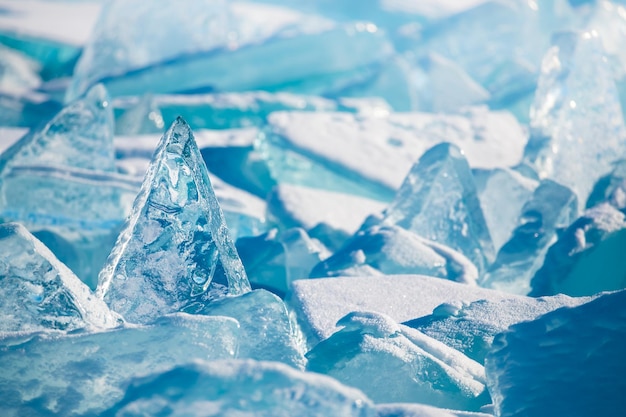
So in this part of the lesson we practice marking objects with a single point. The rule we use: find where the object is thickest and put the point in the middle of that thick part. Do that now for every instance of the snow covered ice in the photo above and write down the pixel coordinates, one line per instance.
(312, 208)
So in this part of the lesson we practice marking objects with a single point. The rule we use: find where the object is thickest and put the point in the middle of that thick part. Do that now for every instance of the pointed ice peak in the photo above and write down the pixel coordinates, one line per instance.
(438, 201)
(175, 249)
(79, 136)
(38, 292)
(576, 118)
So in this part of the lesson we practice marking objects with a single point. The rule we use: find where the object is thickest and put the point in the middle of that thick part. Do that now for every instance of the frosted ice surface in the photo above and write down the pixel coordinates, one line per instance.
(587, 258)
(551, 208)
(438, 201)
(378, 151)
(421, 410)
(85, 373)
(502, 193)
(274, 259)
(267, 332)
(576, 103)
(238, 387)
(184, 54)
(580, 353)
(175, 248)
(390, 249)
(38, 292)
(80, 136)
(320, 303)
(470, 328)
(298, 206)
(393, 363)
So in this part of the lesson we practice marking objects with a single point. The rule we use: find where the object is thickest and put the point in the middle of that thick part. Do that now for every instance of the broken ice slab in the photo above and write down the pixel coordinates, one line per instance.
(610, 188)
(569, 362)
(470, 328)
(297, 206)
(275, 259)
(175, 248)
(319, 303)
(79, 136)
(227, 110)
(240, 387)
(389, 249)
(47, 374)
(576, 103)
(266, 329)
(310, 54)
(438, 201)
(39, 292)
(550, 209)
(502, 193)
(373, 154)
(588, 256)
(393, 363)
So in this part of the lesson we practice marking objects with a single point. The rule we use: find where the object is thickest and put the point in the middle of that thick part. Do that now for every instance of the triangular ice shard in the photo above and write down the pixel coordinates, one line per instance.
(175, 249)
(79, 136)
(438, 201)
(40, 293)
(576, 118)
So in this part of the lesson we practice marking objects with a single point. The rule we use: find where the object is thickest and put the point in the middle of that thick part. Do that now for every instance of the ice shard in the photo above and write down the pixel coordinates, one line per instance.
(175, 249)
(238, 388)
(551, 209)
(48, 374)
(587, 258)
(576, 118)
(394, 363)
(40, 293)
(471, 327)
(267, 331)
(79, 136)
(438, 201)
(569, 362)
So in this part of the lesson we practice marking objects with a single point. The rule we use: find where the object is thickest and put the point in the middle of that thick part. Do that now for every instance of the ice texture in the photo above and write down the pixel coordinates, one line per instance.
(610, 188)
(470, 328)
(502, 193)
(567, 362)
(319, 303)
(421, 410)
(46, 374)
(175, 249)
(40, 293)
(275, 259)
(389, 249)
(18, 72)
(79, 136)
(370, 155)
(576, 118)
(550, 209)
(438, 201)
(587, 257)
(238, 387)
(392, 363)
(267, 331)
(143, 118)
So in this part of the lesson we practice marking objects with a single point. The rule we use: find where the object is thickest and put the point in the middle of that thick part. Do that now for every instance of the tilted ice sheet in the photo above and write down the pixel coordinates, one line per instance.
(576, 118)
(587, 258)
(381, 150)
(40, 293)
(238, 387)
(470, 328)
(567, 362)
(46, 374)
(393, 363)
(299, 206)
(175, 249)
(320, 303)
